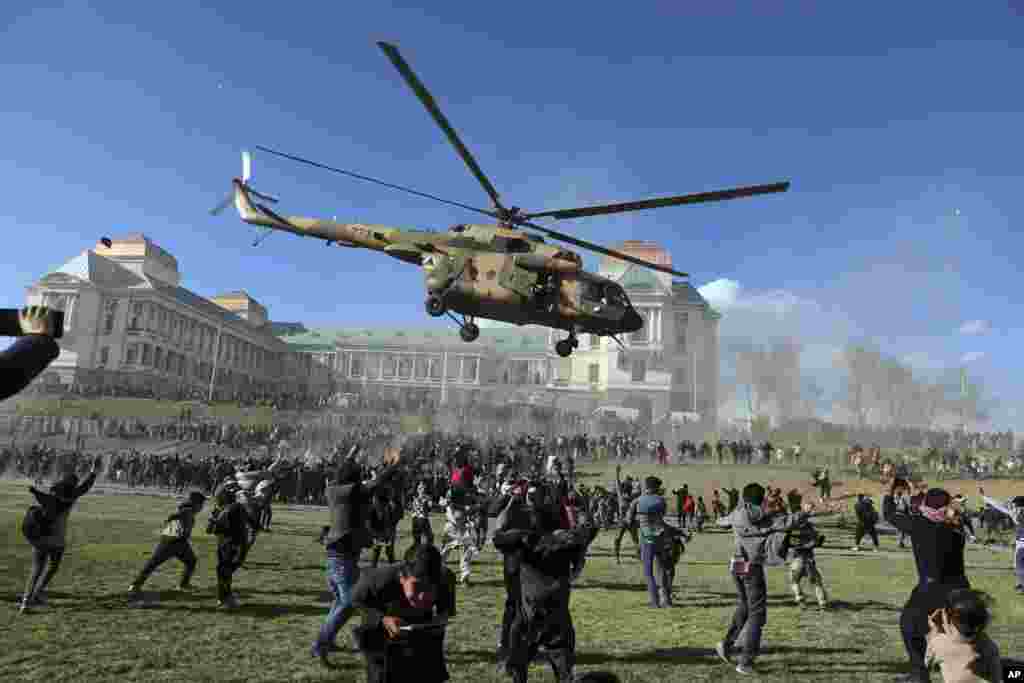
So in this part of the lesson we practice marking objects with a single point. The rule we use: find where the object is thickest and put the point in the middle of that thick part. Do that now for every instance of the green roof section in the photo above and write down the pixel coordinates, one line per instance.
(500, 339)
(638, 278)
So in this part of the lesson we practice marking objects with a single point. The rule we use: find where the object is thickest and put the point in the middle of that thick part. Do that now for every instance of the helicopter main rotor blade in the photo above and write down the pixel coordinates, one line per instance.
(590, 246)
(428, 101)
(699, 197)
(314, 164)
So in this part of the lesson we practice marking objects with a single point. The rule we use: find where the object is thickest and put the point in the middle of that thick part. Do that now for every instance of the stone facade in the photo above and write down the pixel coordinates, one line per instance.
(126, 314)
(128, 321)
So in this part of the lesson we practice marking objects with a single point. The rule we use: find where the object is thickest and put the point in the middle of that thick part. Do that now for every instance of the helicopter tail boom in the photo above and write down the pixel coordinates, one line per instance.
(343, 234)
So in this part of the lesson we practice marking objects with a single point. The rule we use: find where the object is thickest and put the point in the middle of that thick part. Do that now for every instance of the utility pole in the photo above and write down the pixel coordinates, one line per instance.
(216, 362)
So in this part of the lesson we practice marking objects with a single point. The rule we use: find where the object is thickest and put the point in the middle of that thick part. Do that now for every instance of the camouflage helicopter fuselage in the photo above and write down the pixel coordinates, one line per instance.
(485, 271)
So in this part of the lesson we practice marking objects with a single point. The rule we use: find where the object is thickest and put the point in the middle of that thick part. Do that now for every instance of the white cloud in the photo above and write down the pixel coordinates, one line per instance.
(972, 356)
(728, 295)
(974, 327)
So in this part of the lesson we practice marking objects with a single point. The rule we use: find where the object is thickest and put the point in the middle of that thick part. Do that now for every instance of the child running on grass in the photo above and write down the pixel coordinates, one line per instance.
(174, 543)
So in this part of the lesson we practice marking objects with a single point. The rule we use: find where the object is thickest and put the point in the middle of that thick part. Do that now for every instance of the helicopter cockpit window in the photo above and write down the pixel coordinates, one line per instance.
(616, 296)
(458, 228)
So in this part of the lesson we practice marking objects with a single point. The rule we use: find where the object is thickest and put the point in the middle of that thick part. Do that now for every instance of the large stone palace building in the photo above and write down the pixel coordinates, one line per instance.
(129, 321)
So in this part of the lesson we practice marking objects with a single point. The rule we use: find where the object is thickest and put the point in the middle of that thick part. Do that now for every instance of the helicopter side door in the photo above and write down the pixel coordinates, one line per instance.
(513, 277)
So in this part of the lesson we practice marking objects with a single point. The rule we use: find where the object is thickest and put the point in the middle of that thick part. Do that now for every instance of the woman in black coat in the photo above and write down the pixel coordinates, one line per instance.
(938, 543)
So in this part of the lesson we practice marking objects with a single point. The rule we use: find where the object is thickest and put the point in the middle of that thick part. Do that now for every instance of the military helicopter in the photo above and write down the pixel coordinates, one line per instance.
(496, 271)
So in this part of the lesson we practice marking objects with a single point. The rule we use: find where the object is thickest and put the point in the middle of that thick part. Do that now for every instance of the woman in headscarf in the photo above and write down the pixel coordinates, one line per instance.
(938, 544)
(48, 549)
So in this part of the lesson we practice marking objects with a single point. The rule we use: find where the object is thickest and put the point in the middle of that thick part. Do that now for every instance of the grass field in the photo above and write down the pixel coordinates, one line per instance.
(88, 633)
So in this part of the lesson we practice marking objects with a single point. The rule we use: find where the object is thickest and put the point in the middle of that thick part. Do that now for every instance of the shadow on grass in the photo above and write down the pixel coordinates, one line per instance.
(317, 595)
(862, 606)
(258, 610)
(863, 668)
(676, 655)
(604, 585)
(791, 649)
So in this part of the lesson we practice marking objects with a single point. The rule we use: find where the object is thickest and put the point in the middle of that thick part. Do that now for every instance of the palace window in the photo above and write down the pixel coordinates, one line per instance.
(388, 368)
(639, 370)
(110, 316)
(595, 373)
(104, 355)
(135, 322)
(469, 368)
(681, 322)
(642, 336)
(453, 366)
(131, 354)
(421, 367)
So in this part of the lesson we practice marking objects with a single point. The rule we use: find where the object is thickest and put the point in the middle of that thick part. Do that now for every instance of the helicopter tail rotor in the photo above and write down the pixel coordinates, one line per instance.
(246, 175)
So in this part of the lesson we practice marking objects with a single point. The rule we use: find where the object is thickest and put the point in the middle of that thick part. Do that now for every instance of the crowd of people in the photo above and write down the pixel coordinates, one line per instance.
(521, 493)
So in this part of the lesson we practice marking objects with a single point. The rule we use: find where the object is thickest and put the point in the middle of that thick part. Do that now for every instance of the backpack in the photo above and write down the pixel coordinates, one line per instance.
(36, 524)
(219, 522)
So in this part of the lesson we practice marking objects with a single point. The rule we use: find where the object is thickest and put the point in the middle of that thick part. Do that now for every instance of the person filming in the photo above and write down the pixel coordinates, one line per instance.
(31, 354)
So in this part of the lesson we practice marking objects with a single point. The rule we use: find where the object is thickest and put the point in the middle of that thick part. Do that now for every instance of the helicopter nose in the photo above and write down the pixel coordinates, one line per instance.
(632, 321)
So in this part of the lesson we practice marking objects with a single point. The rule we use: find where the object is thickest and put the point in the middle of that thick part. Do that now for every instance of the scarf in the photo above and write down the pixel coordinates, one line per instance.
(933, 514)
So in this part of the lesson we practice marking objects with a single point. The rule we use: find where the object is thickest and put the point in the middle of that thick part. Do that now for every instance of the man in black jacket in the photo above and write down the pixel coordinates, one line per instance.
(867, 518)
(405, 609)
(348, 499)
(938, 547)
(31, 354)
(545, 556)
(519, 506)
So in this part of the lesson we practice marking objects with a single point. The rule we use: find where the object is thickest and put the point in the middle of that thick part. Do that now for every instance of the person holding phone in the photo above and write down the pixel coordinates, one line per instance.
(752, 527)
(31, 354)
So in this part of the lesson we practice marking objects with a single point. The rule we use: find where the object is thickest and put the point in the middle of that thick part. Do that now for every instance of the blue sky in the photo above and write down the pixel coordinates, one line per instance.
(898, 124)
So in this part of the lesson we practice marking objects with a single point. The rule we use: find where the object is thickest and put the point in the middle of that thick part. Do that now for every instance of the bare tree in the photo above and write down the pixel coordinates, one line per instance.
(861, 364)
(784, 366)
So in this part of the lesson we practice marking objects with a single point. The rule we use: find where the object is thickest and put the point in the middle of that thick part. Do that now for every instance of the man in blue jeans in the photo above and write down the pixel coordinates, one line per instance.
(647, 515)
(754, 531)
(347, 498)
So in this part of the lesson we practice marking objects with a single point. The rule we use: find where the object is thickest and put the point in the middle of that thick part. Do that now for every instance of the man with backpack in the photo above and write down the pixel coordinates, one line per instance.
(231, 523)
(45, 528)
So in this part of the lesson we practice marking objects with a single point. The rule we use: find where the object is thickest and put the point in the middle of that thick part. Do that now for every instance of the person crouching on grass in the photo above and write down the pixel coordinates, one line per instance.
(174, 543)
(48, 546)
(405, 611)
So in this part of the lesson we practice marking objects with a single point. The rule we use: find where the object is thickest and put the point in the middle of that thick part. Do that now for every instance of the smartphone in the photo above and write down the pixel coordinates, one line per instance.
(10, 327)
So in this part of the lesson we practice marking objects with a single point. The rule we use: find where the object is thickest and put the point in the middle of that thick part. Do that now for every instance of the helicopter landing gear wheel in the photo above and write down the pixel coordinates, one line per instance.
(435, 306)
(469, 332)
(563, 348)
